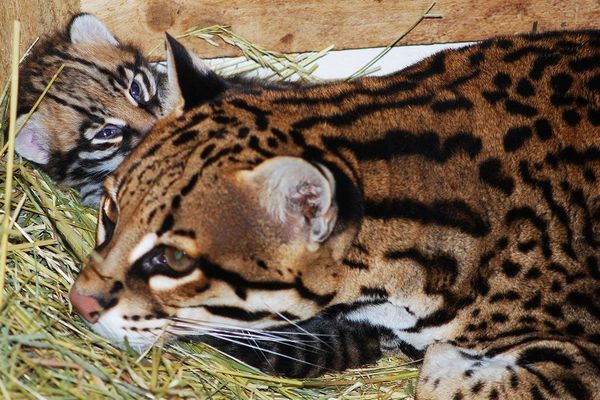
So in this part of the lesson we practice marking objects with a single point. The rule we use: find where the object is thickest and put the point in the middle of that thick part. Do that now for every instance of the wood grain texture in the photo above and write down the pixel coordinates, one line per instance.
(292, 26)
(38, 17)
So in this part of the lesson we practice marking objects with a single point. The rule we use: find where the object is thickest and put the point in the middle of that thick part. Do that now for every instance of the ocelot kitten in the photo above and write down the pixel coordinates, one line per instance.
(107, 97)
(450, 211)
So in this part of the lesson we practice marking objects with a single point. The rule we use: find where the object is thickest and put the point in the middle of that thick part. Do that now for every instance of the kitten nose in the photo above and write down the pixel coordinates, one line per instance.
(86, 306)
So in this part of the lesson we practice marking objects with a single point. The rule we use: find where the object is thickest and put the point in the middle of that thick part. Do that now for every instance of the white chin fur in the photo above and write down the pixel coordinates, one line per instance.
(113, 327)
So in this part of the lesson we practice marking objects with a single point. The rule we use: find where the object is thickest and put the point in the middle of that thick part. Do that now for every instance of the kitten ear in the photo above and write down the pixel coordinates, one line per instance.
(298, 195)
(85, 28)
(191, 82)
(31, 142)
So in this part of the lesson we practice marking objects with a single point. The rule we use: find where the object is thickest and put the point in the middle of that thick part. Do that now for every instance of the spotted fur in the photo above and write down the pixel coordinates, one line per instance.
(107, 97)
(449, 211)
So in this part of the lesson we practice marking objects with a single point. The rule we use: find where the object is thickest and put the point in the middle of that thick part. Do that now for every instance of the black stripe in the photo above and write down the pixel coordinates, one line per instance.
(336, 98)
(361, 111)
(235, 280)
(452, 213)
(397, 143)
(237, 313)
(546, 188)
(186, 136)
(260, 116)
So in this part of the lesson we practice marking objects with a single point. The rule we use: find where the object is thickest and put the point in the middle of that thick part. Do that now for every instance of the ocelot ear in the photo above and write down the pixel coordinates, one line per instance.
(298, 195)
(85, 28)
(31, 143)
(191, 82)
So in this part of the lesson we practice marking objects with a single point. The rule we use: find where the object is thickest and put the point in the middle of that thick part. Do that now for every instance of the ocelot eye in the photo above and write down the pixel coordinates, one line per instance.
(109, 131)
(177, 259)
(135, 91)
(107, 221)
(110, 209)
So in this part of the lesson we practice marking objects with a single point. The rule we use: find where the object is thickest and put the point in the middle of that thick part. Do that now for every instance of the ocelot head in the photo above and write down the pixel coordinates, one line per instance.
(199, 237)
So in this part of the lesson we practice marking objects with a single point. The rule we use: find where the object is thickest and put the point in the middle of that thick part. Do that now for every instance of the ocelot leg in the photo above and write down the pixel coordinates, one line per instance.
(539, 369)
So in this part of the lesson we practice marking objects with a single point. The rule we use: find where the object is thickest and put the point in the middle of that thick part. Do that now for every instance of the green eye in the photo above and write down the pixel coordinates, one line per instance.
(178, 260)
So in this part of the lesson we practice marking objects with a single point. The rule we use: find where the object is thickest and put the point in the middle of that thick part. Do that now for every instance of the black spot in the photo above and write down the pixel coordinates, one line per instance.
(541, 63)
(533, 273)
(494, 96)
(561, 82)
(526, 247)
(510, 268)
(554, 310)
(499, 317)
(510, 295)
(490, 171)
(167, 224)
(556, 286)
(575, 329)
(518, 108)
(589, 175)
(176, 202)
(534, 302)
(190, 185)
(476, 388)
(207, 151)
(594, 116)
(571, 117)
(262, 264)
(502, 81)
(516, 137)
(494, 394)
(594, 83)
(476, 58)
(504, 43)
(436, 66)
(243, 132)
(543, 129)
(460, 103)
(585, 63)
(525, 88)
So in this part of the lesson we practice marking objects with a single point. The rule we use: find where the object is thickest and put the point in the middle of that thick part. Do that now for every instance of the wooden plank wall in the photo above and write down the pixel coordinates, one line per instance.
(38, 17)
(292, 26)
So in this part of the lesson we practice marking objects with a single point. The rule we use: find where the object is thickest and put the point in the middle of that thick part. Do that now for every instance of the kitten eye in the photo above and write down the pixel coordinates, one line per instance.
(135, 91)
(177, 259)
(109, 131)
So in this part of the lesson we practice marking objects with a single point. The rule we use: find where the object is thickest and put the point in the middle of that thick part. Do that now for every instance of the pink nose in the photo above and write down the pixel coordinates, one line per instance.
(86, 306)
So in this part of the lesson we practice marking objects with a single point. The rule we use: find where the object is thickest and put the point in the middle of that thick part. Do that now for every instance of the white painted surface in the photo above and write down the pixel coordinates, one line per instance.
(339, 64)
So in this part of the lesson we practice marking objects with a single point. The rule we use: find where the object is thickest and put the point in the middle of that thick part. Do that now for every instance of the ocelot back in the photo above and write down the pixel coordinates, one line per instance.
(106, 98)
(451, 211)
